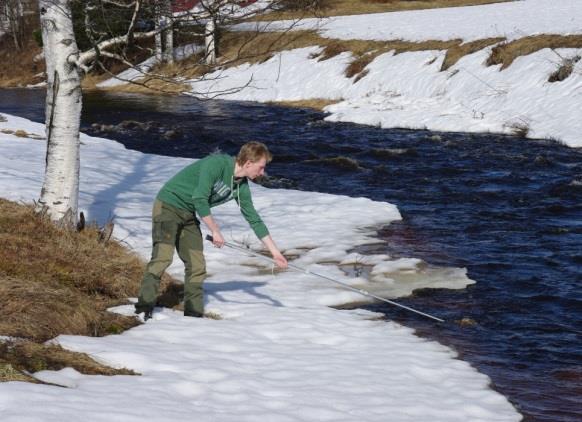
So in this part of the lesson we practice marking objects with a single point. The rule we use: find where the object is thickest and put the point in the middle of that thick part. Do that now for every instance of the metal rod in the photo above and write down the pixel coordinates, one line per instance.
(341, 283)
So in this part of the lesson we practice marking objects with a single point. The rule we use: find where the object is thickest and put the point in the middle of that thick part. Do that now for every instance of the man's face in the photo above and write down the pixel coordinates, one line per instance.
(255, 169)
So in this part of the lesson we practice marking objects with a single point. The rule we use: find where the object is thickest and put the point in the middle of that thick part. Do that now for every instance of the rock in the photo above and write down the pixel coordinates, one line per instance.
(132, 125)
(172, 134)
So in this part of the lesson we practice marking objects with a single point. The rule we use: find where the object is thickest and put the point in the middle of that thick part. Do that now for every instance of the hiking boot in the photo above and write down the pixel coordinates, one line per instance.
(148, 311)
(148, 314)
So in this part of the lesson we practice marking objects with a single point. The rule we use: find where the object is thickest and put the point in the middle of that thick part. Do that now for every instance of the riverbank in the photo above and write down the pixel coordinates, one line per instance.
(242, 368)
(536, 94)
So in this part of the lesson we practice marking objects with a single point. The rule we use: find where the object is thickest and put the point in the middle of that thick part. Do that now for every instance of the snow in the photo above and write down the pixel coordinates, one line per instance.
(279, 353)
(409, 90)
(512, 20)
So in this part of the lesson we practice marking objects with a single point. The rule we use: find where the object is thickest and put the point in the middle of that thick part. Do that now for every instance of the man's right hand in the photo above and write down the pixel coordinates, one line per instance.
(280, 260)
(217, 239)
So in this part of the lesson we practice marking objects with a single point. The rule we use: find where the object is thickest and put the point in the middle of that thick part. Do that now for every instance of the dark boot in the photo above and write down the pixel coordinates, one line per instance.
(148, 311)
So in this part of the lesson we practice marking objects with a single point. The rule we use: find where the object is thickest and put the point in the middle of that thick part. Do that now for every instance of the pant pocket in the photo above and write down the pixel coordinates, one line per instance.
(164, 232)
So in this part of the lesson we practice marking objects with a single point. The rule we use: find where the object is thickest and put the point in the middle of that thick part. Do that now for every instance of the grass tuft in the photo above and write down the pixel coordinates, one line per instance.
(519, 128)
(564, 70)
(456, 52)
(314, 103)
(335, 48)
(22, 357)
(54, 281)
(505, 53)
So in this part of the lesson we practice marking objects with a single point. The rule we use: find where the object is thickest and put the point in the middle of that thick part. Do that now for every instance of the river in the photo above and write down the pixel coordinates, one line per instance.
(507, 209)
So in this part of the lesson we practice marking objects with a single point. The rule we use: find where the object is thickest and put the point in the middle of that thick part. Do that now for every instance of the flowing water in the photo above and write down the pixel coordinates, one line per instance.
(507, 209)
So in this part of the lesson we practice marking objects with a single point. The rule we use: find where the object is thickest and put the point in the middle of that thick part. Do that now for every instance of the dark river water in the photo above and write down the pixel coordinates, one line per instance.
(507, 209)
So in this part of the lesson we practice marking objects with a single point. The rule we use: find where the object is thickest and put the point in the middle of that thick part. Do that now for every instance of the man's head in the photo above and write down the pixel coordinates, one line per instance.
(252, 159)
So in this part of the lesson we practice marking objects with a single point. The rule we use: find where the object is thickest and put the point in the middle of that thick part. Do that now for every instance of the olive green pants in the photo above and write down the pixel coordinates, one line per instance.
(174, 228)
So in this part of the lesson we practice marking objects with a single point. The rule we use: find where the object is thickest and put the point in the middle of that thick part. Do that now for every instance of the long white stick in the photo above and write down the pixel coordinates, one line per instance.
(345, 285)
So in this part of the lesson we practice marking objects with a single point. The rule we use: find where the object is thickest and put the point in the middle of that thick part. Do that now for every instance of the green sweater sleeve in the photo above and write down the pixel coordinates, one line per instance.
(210, 171)
(249, 213)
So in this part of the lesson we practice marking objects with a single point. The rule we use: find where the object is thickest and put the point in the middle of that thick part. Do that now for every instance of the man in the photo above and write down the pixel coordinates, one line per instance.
(197, 188)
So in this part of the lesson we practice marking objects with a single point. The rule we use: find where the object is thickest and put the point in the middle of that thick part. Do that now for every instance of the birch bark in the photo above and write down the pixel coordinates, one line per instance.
(210, 41)
(168, 56)
(158, 37)
(60, 191)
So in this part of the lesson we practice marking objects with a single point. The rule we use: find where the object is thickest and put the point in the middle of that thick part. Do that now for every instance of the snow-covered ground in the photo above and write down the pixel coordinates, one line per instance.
(408, 90)
(512, 20)
(279, 353)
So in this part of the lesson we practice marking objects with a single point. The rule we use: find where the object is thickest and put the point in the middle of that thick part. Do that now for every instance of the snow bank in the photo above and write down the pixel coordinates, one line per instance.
(408, 90)
(278, 354)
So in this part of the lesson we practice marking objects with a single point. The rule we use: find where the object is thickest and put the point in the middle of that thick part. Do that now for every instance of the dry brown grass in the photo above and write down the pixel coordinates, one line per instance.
(17, 358)
(506, 53)
(17, 68)
(365, 51)
(358, 7)
(314, 103)
(54, 281)
(456, 52)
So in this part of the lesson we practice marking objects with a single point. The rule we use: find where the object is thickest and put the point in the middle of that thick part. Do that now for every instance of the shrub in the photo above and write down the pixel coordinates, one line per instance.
(564, 70)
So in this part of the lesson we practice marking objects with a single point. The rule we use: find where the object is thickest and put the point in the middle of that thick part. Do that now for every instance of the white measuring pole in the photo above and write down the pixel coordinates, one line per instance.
(341, 283)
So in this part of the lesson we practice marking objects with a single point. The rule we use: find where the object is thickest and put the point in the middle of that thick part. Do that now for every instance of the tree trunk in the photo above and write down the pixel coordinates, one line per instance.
(159, 22)
(12, 11)
(169, 44)
(210, 41)
(60, 191)
(168, 31)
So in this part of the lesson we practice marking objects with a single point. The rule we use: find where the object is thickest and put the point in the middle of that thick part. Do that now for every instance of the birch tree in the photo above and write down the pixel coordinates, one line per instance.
(164, 41)
(60, 191)
(64, 66)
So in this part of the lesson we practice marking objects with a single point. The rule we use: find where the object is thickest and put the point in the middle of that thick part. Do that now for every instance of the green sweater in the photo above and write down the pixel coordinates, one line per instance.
(210, 182)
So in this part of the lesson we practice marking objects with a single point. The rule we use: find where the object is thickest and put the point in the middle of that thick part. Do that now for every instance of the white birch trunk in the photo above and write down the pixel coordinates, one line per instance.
(158, 38)
(168, 56)
(210, 41)
(60, 191)
(169, 44)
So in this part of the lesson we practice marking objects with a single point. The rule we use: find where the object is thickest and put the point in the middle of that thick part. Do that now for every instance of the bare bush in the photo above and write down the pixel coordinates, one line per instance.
(565, 69)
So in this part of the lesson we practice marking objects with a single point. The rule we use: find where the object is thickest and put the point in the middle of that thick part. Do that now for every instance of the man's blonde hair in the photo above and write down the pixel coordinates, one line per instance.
(253, 152)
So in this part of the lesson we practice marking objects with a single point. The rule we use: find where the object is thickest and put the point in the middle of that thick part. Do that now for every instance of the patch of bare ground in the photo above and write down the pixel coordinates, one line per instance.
(19, 358)
(456, 52)
(55, 281)
(505, 53)
(314, 103)
(359, 7)
(18, 67)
